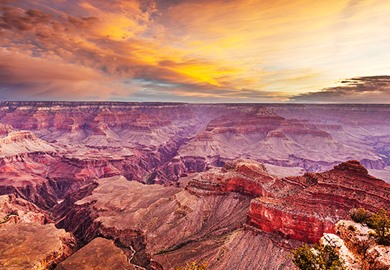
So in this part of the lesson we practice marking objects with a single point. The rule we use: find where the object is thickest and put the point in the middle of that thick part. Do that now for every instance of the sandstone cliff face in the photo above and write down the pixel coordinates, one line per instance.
(243, 176)
(323, 199)
(271, 215)
(300, 208)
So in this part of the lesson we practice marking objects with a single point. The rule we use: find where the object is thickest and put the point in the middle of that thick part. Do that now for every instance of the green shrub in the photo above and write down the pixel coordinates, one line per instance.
(304, 258)
(381, 224)
(360, 215)
(317, 258)
(329, 258)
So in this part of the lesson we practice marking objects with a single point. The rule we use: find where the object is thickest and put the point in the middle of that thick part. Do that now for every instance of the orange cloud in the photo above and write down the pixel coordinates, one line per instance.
(201, 49)
(29, 78)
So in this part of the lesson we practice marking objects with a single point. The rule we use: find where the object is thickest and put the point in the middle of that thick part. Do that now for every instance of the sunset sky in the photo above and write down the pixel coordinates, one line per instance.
(195, 50)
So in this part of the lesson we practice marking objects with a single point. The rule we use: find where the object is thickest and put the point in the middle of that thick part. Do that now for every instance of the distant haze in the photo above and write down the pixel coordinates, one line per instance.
(196, 50)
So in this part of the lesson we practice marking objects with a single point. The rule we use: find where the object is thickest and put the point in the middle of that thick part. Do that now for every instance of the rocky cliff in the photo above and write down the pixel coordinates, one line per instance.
(243, 176)
(323, 199)
(155, 221)
(27, 238)
(300, 208)
(220, 210)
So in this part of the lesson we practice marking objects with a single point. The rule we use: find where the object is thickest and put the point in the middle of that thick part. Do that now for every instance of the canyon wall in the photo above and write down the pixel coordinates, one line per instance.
(162, 184)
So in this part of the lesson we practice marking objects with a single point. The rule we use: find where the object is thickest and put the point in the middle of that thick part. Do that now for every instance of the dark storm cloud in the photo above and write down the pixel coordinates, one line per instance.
(375, 89)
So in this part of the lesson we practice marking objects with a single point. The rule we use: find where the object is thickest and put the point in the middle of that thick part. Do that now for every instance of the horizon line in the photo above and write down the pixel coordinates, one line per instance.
(183, 102)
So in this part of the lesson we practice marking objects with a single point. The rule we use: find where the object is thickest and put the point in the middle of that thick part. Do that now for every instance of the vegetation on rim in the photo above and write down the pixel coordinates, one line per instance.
(379, 222)
(317, 257)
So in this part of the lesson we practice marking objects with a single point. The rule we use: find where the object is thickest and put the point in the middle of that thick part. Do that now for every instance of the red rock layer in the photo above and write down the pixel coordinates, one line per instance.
(242, 176)
(262, 121)
(267, 215)
(324, 199)
(300, 208)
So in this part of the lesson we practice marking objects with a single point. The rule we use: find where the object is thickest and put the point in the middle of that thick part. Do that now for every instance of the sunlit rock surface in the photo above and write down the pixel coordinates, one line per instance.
(33, 246)
(99, 254)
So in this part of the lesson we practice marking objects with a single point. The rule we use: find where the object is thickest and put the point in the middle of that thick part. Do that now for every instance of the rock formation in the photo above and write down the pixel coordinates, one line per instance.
(14, 210)
(33, 246)
(236, 205)
(306, 212)
(300, 208)
(161, 184)
(99, 254)
(27, 238)
(154, 220)
(166, 140)
(356, 246)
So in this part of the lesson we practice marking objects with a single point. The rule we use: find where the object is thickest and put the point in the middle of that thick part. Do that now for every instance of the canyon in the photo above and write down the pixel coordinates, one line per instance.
(156, 185)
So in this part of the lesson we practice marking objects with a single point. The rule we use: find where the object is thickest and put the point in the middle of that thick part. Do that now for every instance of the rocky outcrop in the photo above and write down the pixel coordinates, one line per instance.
(300, 208)
(274, 216)
(14, 210)
(27, 238)
(319, 203)
(154, 220)
(21, 142)
(99, 254)
(357, 247)
(243, 176)
(34, 246)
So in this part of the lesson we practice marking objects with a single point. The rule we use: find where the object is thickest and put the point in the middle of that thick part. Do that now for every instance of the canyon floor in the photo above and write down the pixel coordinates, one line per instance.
(110, 185)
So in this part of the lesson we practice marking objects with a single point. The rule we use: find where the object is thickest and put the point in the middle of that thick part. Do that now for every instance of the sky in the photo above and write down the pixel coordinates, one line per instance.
(334, 51)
